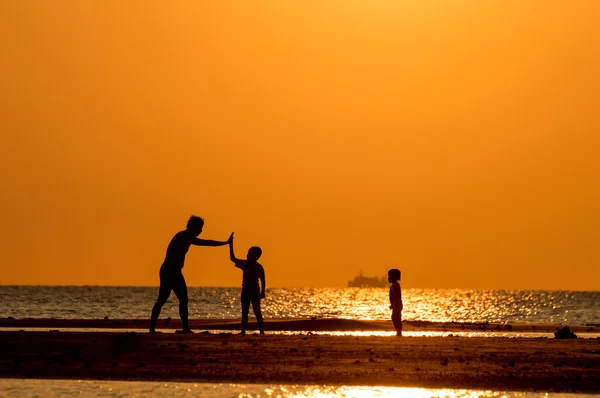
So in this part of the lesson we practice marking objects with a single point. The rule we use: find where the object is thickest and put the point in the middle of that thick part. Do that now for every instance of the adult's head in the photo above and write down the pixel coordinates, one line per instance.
(195, 225)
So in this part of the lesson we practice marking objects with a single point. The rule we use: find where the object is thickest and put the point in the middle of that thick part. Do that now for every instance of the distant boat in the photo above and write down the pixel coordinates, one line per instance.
(368, 281)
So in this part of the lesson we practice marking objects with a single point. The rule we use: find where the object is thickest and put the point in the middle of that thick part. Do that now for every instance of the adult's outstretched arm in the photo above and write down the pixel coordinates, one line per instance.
(212, 243)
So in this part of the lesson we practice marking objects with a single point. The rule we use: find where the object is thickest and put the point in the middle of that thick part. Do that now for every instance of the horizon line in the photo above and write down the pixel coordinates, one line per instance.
(310, 287)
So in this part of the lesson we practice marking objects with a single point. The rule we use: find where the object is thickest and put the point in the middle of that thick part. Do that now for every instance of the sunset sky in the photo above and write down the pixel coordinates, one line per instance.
(456, 140)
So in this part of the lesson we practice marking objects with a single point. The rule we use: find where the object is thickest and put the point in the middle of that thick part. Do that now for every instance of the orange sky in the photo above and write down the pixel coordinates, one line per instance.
(458, 141)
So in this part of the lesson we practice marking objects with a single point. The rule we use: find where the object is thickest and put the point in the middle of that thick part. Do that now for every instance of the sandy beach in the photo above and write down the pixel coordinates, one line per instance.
(446, 362)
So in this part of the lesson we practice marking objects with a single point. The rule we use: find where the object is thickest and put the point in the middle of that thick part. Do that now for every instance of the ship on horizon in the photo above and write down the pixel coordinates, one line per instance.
(368, 281)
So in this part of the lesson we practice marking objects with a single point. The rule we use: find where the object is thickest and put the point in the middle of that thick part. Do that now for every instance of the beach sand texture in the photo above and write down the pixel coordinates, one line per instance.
(494, 363)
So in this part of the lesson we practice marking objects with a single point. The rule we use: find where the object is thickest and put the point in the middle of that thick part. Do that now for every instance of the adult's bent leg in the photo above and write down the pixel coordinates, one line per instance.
(180, 289)
(163, 295)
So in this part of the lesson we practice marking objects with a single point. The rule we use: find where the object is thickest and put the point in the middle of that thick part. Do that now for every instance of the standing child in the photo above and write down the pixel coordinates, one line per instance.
(253, 271)
(396, 299)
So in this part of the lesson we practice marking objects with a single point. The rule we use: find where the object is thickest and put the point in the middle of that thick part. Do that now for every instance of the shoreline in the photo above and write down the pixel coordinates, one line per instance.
(492, 363)
(295, 325)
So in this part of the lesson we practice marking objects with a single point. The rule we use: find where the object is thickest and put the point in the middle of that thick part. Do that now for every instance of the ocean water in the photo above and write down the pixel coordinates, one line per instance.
(434, 305)
(94, 388)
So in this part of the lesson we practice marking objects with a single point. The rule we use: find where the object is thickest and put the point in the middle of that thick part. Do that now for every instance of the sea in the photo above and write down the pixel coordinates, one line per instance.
(433, 305)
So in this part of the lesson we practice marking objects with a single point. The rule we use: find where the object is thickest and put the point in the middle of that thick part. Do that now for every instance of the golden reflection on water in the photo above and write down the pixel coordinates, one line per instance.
(433, 305)
(384, 392)
(126, 389)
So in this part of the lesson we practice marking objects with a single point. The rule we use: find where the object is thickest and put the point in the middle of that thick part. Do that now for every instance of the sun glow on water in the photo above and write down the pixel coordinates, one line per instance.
(96, 388)
(372, 392)
(435, 305)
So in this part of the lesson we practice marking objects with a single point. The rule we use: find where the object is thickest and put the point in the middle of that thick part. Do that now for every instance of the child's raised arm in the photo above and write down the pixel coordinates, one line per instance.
(238, 263)
(231, 253)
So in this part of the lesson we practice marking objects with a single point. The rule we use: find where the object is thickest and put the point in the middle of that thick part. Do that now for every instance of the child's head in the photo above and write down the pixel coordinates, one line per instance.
(194, 225)
(254, 253)
(393, 275)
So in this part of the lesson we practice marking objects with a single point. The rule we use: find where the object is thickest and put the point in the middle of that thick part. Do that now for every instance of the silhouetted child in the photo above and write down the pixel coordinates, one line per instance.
(171, 275)
(396, 299)
(253, 271)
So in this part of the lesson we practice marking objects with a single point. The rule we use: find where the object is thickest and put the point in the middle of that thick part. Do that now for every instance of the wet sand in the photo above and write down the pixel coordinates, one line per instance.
(494, 363)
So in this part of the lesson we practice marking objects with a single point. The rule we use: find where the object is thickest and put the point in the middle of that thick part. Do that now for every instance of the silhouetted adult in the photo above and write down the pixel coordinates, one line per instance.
(171, 275)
